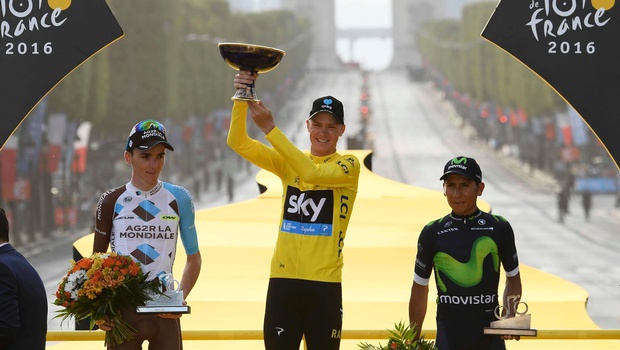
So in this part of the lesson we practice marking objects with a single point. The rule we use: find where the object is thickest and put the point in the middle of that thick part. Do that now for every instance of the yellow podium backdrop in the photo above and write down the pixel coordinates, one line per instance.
(237, 241)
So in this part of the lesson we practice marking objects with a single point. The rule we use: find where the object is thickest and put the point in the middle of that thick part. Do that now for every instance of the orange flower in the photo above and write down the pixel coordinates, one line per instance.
(97, 275)
(108, 262)
(134, 269)
(83, 264)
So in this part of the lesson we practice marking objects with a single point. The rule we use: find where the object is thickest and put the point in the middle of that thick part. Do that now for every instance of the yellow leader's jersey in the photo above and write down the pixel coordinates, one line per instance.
(317, 201)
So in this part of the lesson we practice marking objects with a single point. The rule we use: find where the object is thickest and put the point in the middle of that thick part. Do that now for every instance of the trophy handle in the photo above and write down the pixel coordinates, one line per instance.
(514, 299)
(168, 283)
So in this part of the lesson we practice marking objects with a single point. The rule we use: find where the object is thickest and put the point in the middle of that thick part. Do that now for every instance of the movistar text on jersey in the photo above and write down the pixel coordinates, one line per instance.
(467, 299)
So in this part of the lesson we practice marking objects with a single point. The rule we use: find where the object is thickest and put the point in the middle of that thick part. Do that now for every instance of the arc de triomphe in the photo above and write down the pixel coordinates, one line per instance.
(407, 16)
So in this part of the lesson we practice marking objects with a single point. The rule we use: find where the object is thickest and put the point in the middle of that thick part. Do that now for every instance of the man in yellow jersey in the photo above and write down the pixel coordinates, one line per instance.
(304, 296)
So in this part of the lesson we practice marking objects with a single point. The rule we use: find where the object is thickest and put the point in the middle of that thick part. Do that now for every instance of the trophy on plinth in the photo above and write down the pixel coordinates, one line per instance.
(513, 326)
(170, 301)
(252, 58)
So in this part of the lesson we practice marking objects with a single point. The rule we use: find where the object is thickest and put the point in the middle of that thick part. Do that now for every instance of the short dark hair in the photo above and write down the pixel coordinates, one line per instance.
(4, 226)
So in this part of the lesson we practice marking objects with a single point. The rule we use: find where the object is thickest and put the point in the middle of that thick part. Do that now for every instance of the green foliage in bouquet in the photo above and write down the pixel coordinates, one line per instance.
(99, 286)
(402, 339)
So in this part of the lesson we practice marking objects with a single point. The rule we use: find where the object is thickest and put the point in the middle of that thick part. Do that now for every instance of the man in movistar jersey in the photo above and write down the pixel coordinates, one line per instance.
(144, 219)
(465, 249)
(304, 296)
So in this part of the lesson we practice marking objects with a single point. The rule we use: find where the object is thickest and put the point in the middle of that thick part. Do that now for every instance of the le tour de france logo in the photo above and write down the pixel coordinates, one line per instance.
(20, 17)
(554, 19)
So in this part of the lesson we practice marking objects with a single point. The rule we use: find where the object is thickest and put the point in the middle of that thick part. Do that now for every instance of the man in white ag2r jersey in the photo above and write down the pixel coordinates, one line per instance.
(143, 219)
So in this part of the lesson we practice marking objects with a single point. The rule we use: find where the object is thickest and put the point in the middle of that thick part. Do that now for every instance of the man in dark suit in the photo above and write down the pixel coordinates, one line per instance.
(23, 300)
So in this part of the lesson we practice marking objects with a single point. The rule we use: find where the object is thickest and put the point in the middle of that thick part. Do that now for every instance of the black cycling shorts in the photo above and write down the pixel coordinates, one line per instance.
(466, 334)
(297, 308)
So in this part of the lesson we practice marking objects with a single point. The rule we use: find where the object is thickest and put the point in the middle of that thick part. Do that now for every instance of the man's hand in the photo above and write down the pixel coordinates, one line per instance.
(105, 325)
(244, 79)
(260, 113)
(172, 316)
(262, 116)
(510, 337)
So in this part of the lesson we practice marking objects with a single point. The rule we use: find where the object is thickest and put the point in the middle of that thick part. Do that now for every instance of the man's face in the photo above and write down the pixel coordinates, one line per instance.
(146, 166)
(324, 133)
(462, 193)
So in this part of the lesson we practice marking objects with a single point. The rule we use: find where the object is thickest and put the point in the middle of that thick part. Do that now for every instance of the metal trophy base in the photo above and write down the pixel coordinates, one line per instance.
(511, 331)
(164, 309)
(512, 326)
(245, 94)
(170, 302)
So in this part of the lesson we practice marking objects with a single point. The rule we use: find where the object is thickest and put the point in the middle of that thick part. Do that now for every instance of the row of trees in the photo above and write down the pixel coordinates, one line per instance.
(168, 65)
(478, 68)
(508, 105)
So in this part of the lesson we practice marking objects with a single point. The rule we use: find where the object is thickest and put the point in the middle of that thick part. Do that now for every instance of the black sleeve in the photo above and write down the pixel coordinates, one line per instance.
(424, 256)
(9, 310)
(508, 249)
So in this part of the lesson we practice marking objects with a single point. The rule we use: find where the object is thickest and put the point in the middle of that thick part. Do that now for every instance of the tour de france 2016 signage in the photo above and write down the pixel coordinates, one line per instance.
(41, 41)
(573, 46)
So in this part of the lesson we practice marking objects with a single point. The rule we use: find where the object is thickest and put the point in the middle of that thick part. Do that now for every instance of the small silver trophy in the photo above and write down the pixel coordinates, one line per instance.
(170, 302)
(513, 326)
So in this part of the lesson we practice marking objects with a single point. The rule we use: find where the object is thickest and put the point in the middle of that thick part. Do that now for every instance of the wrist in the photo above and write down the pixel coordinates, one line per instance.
(267, 129)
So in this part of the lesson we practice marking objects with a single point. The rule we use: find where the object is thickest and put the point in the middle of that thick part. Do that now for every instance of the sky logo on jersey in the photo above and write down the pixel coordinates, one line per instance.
(309, 212)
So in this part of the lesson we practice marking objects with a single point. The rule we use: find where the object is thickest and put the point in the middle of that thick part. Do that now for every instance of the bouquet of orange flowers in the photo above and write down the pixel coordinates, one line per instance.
(99, 286)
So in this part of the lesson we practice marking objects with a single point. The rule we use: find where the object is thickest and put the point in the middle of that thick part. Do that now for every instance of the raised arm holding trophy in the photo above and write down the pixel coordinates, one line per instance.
(308, 274)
